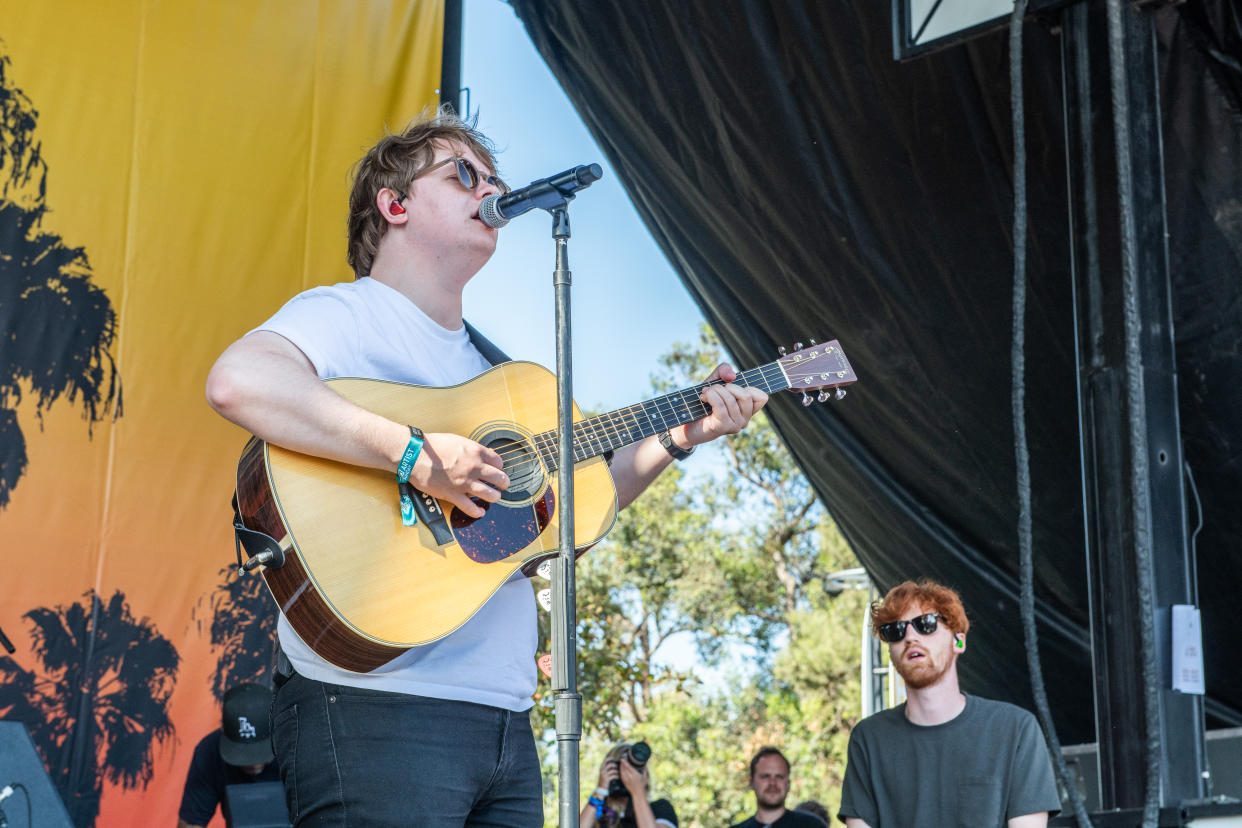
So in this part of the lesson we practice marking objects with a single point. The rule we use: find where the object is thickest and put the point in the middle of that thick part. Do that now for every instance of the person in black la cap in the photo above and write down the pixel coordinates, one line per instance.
(238, 752)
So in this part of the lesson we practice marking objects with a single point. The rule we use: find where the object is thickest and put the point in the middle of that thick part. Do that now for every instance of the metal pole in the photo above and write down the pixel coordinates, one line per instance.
(1151, 744)
(450, 57)
(567, 702)
(867, 677)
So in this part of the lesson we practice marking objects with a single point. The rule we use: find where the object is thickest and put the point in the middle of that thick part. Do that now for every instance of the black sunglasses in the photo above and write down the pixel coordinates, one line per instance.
(895, 631)
(467, 175)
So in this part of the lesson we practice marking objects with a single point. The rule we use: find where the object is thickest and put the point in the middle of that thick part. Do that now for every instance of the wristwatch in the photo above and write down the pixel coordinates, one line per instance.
(677, 452)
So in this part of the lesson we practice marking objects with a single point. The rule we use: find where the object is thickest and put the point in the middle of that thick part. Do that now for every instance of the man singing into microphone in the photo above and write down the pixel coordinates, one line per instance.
(439, 736)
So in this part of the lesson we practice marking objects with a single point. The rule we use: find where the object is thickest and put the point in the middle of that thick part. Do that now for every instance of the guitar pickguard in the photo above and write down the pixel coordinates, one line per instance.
(504, 530)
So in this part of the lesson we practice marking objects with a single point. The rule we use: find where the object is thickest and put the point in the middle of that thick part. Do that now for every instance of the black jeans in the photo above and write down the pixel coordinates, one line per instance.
(368, 758)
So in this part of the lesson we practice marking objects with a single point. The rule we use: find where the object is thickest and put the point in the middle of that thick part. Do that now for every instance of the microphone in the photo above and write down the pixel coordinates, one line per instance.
(546, 193)
(7, 792)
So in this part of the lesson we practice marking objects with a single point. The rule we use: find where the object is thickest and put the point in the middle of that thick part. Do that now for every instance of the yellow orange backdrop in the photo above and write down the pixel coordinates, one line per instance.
(198, 150)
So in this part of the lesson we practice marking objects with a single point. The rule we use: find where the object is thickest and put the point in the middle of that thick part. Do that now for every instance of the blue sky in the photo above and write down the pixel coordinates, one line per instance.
(628, 305)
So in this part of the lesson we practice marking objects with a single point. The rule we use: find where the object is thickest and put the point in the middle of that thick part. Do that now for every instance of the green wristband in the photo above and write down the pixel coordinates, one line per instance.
(410, 457)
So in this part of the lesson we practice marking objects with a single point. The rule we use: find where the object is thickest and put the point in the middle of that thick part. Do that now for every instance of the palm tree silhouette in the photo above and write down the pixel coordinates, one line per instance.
(98, 706)
(243, 630)
(56, 328)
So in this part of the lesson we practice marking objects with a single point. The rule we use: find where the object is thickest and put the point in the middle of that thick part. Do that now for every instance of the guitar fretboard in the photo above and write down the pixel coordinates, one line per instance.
(611, 431)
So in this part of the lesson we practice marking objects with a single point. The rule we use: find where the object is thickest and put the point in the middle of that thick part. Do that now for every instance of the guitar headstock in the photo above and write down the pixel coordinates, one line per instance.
(817, 367)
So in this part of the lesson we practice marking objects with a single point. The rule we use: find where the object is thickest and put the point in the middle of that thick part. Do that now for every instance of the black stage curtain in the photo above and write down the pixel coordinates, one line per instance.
(804, 184)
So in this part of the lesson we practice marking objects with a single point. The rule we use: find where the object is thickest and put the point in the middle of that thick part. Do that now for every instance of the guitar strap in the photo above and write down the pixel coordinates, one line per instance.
(485, 347)
(261, 548)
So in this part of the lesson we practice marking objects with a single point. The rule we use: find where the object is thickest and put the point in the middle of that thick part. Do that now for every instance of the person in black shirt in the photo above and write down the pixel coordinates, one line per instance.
(632, 809)
(769, 779)
(813, 807)
(239, 752)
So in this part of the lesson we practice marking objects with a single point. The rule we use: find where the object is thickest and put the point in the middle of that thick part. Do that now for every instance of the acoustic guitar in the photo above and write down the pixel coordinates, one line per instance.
(360, 588)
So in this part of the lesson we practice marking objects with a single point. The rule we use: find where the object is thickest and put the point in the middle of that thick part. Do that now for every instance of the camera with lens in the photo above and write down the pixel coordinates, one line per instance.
(637, 755)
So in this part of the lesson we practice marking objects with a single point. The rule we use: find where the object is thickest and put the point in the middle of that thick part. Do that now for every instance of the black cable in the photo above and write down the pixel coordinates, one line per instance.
(26, 796)
(1194, 597)
(1140, 501)
(1194, 547)
(1021, 450)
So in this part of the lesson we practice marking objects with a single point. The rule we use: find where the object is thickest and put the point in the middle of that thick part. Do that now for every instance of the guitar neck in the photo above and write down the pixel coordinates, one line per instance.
(611, 431)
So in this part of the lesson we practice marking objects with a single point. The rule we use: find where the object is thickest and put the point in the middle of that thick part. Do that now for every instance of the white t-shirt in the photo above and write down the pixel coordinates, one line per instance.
(368, 329)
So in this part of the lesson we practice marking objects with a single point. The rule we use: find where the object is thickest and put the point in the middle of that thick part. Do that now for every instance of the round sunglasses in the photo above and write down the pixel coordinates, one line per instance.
(895, 631)
(467, 175)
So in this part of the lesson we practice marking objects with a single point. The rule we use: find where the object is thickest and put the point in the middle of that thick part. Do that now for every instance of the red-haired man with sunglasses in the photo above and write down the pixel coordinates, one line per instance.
(440, 736)
(942, 757)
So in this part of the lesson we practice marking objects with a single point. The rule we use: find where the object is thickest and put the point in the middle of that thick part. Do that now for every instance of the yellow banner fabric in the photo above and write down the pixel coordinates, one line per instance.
(171, 171)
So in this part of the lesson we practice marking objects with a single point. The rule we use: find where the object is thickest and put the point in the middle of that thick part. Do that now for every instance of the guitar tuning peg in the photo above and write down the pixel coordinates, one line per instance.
(797, 346)
(781, 350)
(822, 396)
(840, 393)
(812, 341)
(807, 399)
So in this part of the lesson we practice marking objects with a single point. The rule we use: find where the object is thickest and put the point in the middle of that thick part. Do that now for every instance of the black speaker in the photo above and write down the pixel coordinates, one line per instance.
(21, 765)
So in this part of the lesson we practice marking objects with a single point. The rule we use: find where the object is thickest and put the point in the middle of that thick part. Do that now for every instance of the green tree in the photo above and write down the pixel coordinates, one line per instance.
(732, 553)
(805, 703)
(816, 681)
(634, 597)
(766, 505)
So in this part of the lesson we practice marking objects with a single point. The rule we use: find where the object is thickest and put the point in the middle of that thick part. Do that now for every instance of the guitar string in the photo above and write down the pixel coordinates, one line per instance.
(593, 433)
(595, 429)
(600, 433)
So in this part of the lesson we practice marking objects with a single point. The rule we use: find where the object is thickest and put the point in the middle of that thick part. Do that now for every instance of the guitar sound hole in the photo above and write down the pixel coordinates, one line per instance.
(521, 464)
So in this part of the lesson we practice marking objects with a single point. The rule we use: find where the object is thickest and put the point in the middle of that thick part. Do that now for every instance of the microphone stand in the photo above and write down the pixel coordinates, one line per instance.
(567, 701)
(554, 194)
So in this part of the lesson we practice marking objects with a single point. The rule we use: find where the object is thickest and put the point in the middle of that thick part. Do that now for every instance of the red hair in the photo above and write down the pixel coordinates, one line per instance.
(895, 605)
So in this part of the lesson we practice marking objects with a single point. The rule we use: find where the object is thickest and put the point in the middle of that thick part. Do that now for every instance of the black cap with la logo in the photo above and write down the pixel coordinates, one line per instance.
(246, 732)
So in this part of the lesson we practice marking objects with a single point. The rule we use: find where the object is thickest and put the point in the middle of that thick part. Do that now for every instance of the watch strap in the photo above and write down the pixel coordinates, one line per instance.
(674, 450)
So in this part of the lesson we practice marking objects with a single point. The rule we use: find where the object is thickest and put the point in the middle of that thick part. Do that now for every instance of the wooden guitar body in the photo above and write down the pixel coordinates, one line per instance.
(358, 586)
(361, 588)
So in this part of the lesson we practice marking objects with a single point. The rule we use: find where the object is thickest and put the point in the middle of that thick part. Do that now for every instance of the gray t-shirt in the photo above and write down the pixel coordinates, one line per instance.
(987, 765)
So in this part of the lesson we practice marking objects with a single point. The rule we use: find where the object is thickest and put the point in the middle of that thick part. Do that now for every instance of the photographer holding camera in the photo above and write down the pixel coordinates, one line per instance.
(620, 798)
